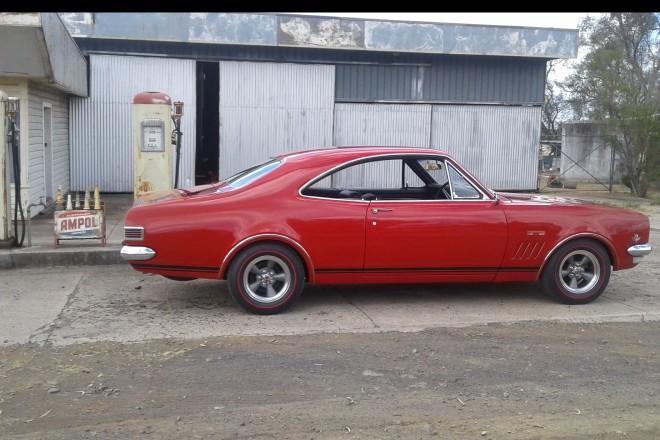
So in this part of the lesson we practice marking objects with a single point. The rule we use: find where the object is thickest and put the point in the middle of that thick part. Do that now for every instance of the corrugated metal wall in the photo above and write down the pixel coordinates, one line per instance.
(498, 144)
(38, 95)
(101, 125)
(451, 79)
(271, 108)
(383, 124)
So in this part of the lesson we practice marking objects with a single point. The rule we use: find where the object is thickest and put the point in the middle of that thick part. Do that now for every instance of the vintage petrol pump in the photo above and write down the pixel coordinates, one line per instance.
(6, 237)
(8, 151)
(152, 142)
(176, 138)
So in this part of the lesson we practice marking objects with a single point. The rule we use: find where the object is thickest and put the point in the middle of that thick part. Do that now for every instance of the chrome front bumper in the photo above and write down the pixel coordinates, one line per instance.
(638, 251)
(131, 253)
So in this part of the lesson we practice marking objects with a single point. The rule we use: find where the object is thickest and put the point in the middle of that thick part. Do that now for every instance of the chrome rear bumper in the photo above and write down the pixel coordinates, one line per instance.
(131, 253)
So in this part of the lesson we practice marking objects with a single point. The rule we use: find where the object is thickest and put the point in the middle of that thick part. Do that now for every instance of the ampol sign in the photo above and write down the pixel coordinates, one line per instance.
(77, 224)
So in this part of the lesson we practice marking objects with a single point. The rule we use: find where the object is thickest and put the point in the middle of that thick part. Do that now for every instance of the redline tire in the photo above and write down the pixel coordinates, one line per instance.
(577, 272)
(266, 278)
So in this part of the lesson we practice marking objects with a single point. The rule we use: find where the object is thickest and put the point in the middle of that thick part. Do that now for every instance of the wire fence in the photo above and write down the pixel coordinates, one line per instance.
(583, 160)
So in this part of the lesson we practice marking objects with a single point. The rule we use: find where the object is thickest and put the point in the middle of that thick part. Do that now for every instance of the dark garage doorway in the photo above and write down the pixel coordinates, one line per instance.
(208, 122)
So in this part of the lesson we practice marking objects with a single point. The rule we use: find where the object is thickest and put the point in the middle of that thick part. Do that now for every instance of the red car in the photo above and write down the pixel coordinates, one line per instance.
(347, 215)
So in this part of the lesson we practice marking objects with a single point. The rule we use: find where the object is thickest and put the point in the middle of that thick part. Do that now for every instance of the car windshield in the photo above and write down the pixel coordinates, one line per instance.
(241, 179)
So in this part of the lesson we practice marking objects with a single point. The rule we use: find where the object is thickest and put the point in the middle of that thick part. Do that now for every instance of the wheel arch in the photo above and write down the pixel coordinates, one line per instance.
(607, 244)
(266, 238)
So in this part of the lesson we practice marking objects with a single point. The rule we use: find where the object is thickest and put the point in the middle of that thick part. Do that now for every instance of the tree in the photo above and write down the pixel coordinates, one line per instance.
(618, 82)
(555, 105)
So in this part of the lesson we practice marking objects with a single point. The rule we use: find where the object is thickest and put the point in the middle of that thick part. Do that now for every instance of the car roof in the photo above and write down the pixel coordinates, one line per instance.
(354, 152)
(314, 160)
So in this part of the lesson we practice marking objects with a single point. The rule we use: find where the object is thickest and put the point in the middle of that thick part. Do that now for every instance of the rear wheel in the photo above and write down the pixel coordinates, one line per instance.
(266, 278)
(578, 272)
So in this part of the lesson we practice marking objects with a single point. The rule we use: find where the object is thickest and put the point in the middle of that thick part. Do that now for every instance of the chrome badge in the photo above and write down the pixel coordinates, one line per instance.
(635, 238)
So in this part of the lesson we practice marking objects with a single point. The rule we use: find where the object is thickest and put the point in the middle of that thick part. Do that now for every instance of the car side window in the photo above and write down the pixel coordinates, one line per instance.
(461, 188)
(376, 174)
(389, 178)
(379, 174)
(395, 178)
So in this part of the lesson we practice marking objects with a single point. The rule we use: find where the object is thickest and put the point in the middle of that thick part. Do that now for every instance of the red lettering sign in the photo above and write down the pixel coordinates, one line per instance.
(78, 224)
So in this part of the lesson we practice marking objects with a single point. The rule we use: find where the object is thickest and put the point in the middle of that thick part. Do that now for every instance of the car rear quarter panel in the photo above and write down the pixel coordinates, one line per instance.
(327, 234)
(189, 236)
(198, 235)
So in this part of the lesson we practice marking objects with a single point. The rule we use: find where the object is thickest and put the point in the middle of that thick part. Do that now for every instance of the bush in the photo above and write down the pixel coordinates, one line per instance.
(625, 179)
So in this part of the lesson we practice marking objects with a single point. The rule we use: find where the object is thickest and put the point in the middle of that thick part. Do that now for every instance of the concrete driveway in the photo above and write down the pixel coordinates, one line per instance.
(62, 305)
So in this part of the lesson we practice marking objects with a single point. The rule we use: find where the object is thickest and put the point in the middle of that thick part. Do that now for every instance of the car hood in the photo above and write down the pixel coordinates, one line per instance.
(539, 199)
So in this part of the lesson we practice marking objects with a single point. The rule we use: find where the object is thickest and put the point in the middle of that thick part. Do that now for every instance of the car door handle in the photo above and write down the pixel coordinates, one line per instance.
(377, 210)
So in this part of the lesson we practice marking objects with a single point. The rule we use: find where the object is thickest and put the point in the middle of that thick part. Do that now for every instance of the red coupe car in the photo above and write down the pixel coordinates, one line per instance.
(347, 215)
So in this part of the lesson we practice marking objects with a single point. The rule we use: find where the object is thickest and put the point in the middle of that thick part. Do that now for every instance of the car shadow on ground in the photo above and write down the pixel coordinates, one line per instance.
(422, 296)
(205, 293)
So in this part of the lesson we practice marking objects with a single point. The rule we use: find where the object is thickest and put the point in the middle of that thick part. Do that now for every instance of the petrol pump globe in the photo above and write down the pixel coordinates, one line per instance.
(178, 111)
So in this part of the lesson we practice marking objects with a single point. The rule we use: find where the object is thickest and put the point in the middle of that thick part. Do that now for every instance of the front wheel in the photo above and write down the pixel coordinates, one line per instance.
(266, 279)
(577, 273)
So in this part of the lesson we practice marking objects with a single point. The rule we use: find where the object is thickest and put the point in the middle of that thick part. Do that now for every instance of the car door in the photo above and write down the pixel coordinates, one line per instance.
(435, 240)
(459, 238)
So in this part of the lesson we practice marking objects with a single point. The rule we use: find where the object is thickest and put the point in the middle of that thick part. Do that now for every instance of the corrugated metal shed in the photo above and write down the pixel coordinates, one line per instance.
(380, 76)
(294, 107)
(277, 82)
(309, 81)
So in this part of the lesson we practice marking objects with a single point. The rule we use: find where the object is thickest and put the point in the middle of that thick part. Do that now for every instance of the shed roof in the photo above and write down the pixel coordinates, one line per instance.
(322, 32)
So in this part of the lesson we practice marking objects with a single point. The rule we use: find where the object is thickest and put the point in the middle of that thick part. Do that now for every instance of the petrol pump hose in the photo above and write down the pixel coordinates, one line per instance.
(18, 205)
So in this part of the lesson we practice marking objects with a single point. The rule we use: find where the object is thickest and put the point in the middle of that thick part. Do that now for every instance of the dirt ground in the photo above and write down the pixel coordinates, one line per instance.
(518, 381)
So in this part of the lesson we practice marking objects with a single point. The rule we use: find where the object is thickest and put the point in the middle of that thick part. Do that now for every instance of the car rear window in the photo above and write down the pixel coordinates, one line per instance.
(251, 174)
